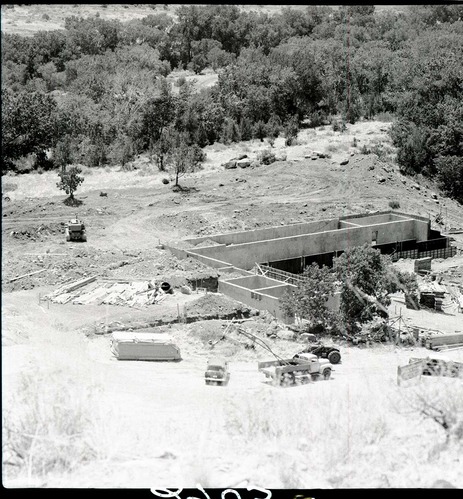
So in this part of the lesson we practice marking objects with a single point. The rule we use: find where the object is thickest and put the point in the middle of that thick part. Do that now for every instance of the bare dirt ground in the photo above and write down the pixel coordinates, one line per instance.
(157, 423)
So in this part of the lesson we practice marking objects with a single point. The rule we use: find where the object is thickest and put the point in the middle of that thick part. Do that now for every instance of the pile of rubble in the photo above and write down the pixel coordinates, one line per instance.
(89, 291)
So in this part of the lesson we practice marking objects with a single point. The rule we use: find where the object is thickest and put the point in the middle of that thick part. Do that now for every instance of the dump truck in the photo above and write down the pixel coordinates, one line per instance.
(300, 369)
(141, 345)
(217, 372)
(75, 231)
(325, 352)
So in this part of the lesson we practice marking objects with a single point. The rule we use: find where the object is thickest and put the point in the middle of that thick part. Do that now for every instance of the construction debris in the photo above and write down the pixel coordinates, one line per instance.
(133, 294)
(27, 275)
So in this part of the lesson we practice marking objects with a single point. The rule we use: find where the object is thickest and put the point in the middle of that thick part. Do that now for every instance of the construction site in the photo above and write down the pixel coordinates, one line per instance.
(205, 268)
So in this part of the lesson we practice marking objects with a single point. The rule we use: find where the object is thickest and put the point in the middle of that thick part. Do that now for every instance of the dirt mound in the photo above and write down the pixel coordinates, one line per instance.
(39, 233)
(210, 305)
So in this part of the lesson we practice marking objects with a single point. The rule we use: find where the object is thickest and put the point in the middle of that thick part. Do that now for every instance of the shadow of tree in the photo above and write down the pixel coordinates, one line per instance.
(184, 190)
(72, 202)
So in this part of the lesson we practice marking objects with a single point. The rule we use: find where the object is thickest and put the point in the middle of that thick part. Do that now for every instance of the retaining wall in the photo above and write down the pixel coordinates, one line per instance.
(247, 254)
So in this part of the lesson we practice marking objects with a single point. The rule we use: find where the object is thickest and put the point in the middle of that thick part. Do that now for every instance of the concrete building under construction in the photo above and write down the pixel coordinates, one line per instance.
(270, 259)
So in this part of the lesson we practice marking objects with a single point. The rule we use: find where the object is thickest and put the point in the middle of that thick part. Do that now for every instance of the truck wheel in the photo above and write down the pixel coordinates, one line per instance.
(327, 374)
(315, 377)
(84, 238)
(334, 357)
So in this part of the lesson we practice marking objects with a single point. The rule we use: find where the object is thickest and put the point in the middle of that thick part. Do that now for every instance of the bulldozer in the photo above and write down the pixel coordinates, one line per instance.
(75, 230)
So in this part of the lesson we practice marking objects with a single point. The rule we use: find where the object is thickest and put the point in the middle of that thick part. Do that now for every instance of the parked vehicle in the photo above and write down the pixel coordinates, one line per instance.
(300, 369)
(75, 231)
(141, 345)
(217, 372)
(325, 352)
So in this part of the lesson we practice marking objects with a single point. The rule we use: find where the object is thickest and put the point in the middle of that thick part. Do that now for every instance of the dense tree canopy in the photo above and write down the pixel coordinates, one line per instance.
(102, 80)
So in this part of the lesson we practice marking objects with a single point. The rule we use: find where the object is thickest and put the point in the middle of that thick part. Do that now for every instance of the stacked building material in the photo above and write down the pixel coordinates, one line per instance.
(432, 294)
(133, 294)
(445, 341)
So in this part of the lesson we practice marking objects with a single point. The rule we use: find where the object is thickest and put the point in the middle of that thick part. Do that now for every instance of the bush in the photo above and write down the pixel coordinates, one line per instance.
(394, 204)
(410, 140)
(46, 17)
(49, 424)
(181, 80)
(266, 157)
(339, 126)
(450, 176)
(291, 130)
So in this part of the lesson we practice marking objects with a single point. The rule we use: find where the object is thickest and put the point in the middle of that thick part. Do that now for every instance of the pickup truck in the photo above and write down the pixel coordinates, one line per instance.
(217, 372)
(300, 369)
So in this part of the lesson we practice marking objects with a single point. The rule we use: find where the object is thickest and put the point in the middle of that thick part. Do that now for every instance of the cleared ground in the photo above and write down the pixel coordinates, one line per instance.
(152, 424)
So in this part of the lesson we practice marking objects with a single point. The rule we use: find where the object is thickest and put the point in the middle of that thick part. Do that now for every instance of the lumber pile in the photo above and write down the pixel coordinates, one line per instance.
(445, 341)
(432, 295)
(89, 292)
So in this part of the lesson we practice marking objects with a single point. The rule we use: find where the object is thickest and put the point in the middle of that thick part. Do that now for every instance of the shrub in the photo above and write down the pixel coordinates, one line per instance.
(410, 140)
(181, 80)
(46, 17)
(266, 157)
(48, 426)
(291, 130)
(339, 126)
(450, 176)
(394, 204)
(441, 403)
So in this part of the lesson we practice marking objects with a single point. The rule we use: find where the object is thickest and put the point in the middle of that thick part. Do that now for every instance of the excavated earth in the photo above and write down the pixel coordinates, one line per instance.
(127, 233)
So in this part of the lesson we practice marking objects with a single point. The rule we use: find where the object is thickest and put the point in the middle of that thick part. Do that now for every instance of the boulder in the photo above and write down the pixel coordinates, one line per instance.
(344, 162)
(286, 335)
(433, 195)
(243, 163)
(240, 157)
(381, 179)
(229, 165)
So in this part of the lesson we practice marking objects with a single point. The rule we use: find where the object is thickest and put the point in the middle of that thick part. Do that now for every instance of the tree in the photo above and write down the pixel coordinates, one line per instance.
(309, 300)
(69, 180)
(183, 158)
(28, 124)
(450, 175)
(366, 280)
(291, 130)
(162, 148)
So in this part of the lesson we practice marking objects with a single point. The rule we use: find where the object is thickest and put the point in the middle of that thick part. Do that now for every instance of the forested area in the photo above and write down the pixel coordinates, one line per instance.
(96, 92)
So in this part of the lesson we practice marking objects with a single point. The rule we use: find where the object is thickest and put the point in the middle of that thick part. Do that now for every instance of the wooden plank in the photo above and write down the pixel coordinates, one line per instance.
(27, 275)
(412, 370)
(78, 284)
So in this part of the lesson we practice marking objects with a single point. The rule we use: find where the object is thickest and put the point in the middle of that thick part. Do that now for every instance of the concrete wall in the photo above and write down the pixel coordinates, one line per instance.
(265, 298)
(421, 230)
(269, 233)
(255, 299)
(376, 219)
(246, 255)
